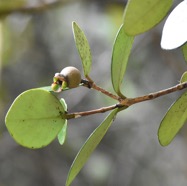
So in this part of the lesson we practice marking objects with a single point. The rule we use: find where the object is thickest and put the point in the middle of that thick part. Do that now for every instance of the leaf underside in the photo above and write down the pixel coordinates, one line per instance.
(120, 55)
(89, 146)
(140, 16)
(83, 48)
(35, 118)
(62, 134)
(173, 120)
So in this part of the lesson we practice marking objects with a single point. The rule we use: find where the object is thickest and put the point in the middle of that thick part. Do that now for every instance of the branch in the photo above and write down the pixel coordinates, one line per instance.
(124, 103)
(91, 84)
(91, 112)
(131, 101)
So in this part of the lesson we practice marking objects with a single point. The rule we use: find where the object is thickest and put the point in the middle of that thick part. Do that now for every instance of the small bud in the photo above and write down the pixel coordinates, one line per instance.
(55, 79)
(56, 87)
(64, 85)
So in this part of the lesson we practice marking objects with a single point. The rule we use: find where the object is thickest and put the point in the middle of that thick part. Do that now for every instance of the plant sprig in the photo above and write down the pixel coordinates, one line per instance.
(33, 126)
(123, 102)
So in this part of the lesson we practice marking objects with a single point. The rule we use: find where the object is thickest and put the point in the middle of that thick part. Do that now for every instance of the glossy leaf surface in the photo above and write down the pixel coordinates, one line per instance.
(120, 55)
(83, 48)
(173, 121)
(35, 118)
(175, 28)
(141, 16)
(89, 146)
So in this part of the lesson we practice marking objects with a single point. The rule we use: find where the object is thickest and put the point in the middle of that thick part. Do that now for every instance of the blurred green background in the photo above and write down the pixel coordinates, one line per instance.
(35, 43)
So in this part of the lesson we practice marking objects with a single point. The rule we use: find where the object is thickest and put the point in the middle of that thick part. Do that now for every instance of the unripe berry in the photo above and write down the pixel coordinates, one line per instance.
(72, 76)
(69, 77)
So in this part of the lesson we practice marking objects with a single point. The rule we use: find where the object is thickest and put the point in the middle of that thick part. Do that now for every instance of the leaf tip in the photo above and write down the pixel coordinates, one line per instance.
(73, 23)
(163, 137)
(163, 143)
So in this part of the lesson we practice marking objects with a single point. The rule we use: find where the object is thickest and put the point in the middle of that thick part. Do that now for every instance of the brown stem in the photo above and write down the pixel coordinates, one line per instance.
(124, 103)
(94, 86)
(91, 112)
(91, 84)
(131, 101)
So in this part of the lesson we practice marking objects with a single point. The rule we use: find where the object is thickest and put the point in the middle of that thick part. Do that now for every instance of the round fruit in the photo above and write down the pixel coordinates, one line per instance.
(72, 76)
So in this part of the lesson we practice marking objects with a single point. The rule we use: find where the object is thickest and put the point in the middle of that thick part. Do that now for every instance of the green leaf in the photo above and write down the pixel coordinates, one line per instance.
(63, 133)
(47, 88)
(35, 118)
(184, 51)
(183, 78)
(89, 146)
(141, 16)
(173, 120)
(7, 6)
(120, 55)
(83, 48)
(63, 103)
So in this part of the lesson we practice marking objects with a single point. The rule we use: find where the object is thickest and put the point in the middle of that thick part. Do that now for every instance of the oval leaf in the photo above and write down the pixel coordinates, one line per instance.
(83, 48)
(89, 146)
(141, 16)
(173, 121)
(175, 28)
(120, 55)
(35, 118)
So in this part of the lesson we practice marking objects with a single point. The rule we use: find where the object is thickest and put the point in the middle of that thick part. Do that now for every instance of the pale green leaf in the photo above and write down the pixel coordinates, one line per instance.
(173, 120)
(141, 16)
(184, 51)
(35, 118)
(183, 78)
(63, 133)
(7, 6)
(89, 146)
(120, 55)
(83, 48)
(47, 88)
(63, 102)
